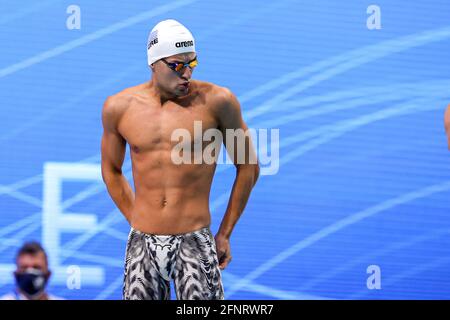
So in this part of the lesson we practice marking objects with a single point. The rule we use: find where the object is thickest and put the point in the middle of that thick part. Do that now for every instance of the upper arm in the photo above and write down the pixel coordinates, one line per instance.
(113, 144)
(230, 115)
(241, 150)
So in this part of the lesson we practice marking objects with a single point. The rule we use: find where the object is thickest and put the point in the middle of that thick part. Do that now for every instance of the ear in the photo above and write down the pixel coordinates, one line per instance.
(152, 67)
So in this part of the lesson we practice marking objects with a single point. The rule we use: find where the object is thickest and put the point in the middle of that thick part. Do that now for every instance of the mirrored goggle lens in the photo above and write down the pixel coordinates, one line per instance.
(180, 66)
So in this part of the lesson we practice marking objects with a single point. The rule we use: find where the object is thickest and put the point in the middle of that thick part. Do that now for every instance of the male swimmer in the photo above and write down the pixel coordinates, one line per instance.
(170, 237)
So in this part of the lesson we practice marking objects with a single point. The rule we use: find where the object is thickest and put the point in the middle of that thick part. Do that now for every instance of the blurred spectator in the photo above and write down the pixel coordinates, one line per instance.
(32, 274)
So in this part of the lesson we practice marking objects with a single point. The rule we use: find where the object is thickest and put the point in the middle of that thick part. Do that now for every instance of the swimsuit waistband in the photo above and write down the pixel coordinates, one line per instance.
(204, 229)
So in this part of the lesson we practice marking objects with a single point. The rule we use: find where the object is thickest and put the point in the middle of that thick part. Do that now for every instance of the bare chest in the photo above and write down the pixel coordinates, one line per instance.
(148, 127)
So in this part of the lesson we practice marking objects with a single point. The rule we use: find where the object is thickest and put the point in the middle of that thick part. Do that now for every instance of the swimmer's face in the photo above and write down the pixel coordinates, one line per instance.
(171, 81)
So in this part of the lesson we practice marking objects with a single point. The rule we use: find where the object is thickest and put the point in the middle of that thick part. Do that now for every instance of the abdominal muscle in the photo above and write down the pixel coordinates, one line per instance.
(169, 198)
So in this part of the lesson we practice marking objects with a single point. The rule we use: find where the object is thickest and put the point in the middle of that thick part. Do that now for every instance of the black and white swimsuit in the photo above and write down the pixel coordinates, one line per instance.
(189, 259)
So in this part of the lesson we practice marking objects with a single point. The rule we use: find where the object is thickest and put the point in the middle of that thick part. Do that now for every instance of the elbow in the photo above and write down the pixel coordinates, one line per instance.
(109, 173)
(250, 171)
(105, 176)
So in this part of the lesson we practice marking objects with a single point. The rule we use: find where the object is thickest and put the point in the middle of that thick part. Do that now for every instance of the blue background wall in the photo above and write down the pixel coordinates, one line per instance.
(364, 175)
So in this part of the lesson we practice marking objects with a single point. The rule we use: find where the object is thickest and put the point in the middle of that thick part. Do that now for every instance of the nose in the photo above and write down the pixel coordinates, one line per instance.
(186, 73)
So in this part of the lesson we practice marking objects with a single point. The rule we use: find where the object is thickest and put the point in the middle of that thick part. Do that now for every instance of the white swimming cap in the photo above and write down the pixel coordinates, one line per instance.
(167, 38)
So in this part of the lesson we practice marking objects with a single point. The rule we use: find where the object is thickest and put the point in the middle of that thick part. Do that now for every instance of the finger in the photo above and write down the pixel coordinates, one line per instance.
(220, 255)
(225, 263)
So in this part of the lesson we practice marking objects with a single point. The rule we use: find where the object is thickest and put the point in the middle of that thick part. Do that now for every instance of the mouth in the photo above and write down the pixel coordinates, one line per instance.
(185, 85)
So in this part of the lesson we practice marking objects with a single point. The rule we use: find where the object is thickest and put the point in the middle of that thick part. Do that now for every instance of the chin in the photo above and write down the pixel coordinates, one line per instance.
(181, 93)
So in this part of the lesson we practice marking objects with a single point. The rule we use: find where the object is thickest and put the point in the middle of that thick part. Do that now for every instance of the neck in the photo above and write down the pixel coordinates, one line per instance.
(162, 95)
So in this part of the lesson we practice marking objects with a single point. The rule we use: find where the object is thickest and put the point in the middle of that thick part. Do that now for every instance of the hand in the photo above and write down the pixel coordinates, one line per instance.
(223, 251)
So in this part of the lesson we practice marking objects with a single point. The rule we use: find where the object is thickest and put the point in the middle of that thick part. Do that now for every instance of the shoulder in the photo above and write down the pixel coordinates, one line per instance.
(117, 102)
(116, 105)
(222, 99)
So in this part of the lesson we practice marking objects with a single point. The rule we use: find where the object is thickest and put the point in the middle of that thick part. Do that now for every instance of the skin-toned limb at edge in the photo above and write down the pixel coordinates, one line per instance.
(447, 125)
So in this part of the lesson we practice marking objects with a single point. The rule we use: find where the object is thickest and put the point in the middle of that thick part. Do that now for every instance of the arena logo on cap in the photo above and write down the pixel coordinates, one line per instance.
(152, 39)
(184, 44)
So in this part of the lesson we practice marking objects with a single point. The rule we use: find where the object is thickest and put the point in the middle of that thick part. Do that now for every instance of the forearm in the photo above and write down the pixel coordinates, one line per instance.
(246, 178)
(121, 192)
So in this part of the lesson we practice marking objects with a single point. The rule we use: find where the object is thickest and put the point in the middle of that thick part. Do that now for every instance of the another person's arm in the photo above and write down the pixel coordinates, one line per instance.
(247, 173)
(447, 124)
(113, 154)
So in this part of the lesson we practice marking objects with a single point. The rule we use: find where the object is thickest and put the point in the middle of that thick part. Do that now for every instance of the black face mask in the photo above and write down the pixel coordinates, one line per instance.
(31, 282)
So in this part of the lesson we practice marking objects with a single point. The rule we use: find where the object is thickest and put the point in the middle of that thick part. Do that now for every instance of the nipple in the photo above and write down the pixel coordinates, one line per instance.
(135, 149)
